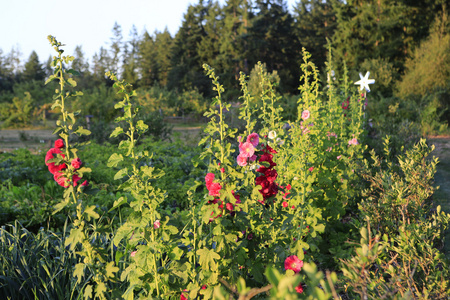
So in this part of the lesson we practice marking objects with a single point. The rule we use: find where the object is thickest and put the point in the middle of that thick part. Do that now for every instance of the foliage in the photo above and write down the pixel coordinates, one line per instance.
(35, 266)
(263, 206)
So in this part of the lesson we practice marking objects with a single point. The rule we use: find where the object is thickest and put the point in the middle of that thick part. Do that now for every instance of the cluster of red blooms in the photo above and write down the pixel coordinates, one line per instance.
(56, 170)
(267, 182)
(214, 190)
(295, 264)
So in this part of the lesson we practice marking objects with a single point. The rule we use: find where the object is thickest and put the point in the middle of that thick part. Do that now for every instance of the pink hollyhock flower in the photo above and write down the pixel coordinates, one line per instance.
(132, 254)
(253, 158)
(209, 179)
(241, 160)
(85, 183)
(339, 157)
(293, 263)
(306, 114)
(299, 289)
(311, 169)
(353, 141)
(229, 206)
(253, 138)
(222, 170)
(285, 204)
(156, 224)
(59, 143)
(183, 297)
(76, 163)
(246, 149)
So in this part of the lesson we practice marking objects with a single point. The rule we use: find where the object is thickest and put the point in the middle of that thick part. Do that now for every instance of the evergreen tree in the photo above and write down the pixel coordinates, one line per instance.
(81, 65)
(33, 69)
(163, 44)
(272, 41)
(100, 63)
(232, 43)
(187, 72)
(116, 49)
(130, 62)
(315, 22)
(148, 64)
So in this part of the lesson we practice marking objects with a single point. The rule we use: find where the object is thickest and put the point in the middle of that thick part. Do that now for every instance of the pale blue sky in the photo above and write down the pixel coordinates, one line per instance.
(25, 24)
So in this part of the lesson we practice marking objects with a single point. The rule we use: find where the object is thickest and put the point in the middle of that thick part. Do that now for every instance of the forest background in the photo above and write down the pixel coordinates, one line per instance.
(404, 44)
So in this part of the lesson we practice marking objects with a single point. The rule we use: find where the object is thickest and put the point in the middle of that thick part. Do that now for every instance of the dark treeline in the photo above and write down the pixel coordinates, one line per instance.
(383, 36)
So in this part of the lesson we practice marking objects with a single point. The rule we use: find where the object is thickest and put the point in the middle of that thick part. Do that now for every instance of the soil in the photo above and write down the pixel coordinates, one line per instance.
(41, 139)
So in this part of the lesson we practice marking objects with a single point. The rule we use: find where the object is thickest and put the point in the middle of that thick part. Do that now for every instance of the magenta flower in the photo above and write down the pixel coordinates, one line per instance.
(293, 263)
(253, 139)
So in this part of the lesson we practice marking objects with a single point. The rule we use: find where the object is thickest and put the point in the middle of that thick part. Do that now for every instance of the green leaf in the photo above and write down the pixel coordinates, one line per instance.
(122, 200)
(111, 269)
(121, 173)
(88, 292)
(90, 211)
(58, 207)
(206, 259)
(72, 82)
(73, 72)
(116, 132)
(141, 126)
(79, 271)
(114, 160)
(82, 131)
(273, 276)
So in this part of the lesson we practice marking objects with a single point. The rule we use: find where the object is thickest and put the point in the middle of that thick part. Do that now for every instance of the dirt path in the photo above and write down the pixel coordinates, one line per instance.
(41, 139)
(442, 179)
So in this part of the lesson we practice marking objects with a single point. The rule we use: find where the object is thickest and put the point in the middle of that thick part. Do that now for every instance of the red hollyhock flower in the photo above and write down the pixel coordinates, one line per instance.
(59, 143)
(214, 189)
(76, 163)
(209, 179)
(51, 165)
(293, 263)
(271, 175)
(299, 289)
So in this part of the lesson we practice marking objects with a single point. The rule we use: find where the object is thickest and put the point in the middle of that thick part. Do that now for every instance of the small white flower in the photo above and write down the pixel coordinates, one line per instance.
(365, 81)
(272, 134)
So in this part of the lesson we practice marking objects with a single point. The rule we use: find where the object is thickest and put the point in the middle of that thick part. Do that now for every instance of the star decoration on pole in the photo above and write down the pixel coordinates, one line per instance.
(364, 82)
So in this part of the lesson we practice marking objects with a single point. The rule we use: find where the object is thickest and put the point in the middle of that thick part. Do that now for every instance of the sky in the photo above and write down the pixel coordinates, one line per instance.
(25, 24)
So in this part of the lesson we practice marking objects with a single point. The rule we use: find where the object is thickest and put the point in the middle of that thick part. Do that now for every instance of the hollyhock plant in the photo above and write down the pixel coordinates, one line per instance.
(293, 263)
